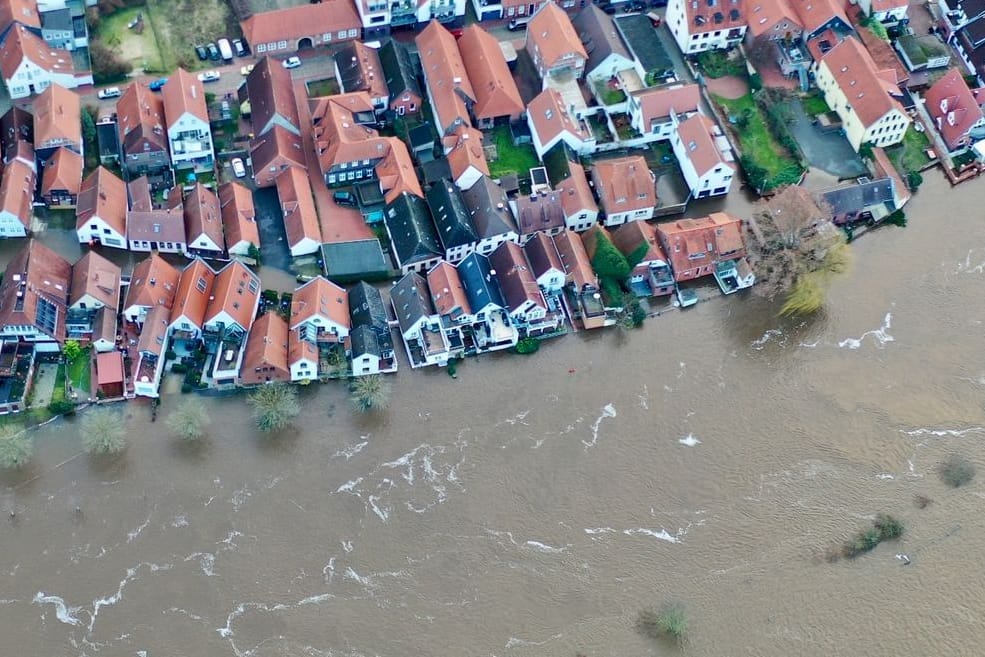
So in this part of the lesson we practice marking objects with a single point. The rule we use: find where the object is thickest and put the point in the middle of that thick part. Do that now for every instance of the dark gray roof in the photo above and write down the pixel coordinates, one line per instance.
(59, 19)
(642, 39)
(366, 308)
(350, 69)
(539, 212)
(450, 215)
(398, 69)
(364, 341)
(420, 136)
(856, 198)
(411, 230)
(368, 192)
(16, 124)
(481, 286)
(347, 260)
(435, 170)
(411, 300)
(598, 33)
(489, 208)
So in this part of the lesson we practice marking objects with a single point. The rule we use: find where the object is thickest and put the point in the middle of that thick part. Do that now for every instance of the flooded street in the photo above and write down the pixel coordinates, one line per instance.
(534, 505)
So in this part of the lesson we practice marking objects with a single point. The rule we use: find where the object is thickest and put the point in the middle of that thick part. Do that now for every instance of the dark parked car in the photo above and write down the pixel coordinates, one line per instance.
(239, 48)
(214, 52)
(344, 198)
(609, 9)
(202, 53)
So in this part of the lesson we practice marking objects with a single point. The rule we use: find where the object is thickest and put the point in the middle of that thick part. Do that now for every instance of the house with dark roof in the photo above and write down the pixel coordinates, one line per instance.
(652, 60)
(869, 200)
(452, 221)
(538, 212)
(358, 68)
(34, 297)
(16, 124)
(142, 131)
(490, 215)
(366, 355)
(400, 75)
(420, 326)
(272, 100)
(529, 309)
(367, 310)
(545, 263)
(492, 327)
(699, 25)
(101, 210)
(413, 238)
(608, 55)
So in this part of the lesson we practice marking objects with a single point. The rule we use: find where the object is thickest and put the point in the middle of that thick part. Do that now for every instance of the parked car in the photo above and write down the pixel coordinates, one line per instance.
(240, 49)
(345, 198)
(291, 62)
(158, 84)
(239, 170)
(655, 19)
(109, 92)
(225, 50)
(246, 70)
(202, 53)
(214, 53)
(518, 24)
(208, 76)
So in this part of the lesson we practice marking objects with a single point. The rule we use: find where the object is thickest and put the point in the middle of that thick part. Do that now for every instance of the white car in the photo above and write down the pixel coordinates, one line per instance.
(246, 70)
(291, 62)
(208, 76)
(109, 92)
(238, 169)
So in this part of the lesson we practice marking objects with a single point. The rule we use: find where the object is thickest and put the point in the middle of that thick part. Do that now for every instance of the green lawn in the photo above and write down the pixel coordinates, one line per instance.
(510, 158)
(608, 95)
(814, 104)
(757, 142)
(141, 50)
(718, 64)
(319, 88)
(80, 372)
(910, 155)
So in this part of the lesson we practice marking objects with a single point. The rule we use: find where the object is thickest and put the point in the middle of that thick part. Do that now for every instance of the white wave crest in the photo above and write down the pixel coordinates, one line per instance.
(881, 335)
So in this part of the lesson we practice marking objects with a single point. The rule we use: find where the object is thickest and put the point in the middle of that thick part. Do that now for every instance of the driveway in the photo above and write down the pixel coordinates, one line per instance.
(274, 251)
(44, 384)
(827, 150)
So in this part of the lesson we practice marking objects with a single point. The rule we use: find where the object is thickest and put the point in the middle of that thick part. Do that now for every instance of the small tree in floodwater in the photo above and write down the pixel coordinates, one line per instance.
(16, 447)
(370, 393)
(274, 406)
(190, 420)
(956, 471)
(669, 622)
(798, 252)
(103, 431)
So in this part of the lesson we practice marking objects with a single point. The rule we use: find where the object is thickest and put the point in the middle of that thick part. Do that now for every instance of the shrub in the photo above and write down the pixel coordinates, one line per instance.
(102, 431)
(186, 388)
(61, 407)
(884, 528)
(670, 622)
(370, 393)
(106, 64)
(914, 180)
(189, 420)
(179, 368)
(897, 218)
(170, 355)
(274, 406)
(755, 82)
(527, 346)
(889, 528)
(956, 471)
(16, 446)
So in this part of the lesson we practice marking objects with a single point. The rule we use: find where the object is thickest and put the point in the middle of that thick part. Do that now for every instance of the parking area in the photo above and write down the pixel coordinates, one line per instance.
(827, 150)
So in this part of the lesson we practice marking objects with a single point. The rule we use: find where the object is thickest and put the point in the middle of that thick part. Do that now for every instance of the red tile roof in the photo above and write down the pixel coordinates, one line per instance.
(447, 291)
(97, 277)
(445, 74)
(887, 5)
(953, 107)
(577, 266)
(396, 171)
(338, 136)
(274, 150)
(153, 334)
(57, 117)
(294, 23)
(693, 244)
(109, 368)
(238, 215)
(575, 193)
(765, 15)
(20, 11)
(192, 296)
(183, 93)
(697, 135)
(140, 120)
(868, 92)
(628, 237)
(301, 349)
(17, 191)
(624, 184)
(21, 44)
(551, 117)
(265, 357)
(883, 54)
(657, 102)
(34, 274)
(62, 172)
(103, 195)
(231, 293)
(153, 283)
(816, 13)
(551, 33)
(515, 276)
(322, 298)
(202, 216)
(699, 15)
(300, 217)
(466, 151)
(496, 92)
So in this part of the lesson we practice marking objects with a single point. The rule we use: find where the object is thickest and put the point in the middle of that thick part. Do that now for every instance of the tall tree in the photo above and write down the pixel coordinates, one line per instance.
(103, 431)
(190, 420)
(798, 250)
(274, 406)
(370, 393)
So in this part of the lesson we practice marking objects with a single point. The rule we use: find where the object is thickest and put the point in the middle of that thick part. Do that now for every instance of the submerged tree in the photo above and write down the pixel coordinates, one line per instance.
(16, 446)
(189, 420)
(274, 406)
(669, 622)
(370, 393)
(103, 431)
(798, 251)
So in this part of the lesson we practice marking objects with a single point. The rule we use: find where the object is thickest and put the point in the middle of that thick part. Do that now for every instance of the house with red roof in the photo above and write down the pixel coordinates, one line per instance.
(272, 102)
(626, 189)
(497, 99)
(651, 275)
(34, 297)
(956, 113)
(101, 210)
(298, 208)
(569, 180)
(187, 116)
(191, 298)
(57, 121)
(704, 155)
(699, 25)
(94, 299)
(553, 44)
(203, 222)
(651, 110)
(552, 121)
(239, 225)
(265, 358)
(16, 198)
(273, 152)
(865, 98)
(449, 89)
(61, 179)
(142, 131)
(153, 283)
(285, 31)
(524, 298)
(696, 247)
(229, 317)
(320, 311)
(466, 156)
(29, 65)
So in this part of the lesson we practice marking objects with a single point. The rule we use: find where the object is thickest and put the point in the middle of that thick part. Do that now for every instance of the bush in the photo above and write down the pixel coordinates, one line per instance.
(897, 218)
(189, 421)
(889, 528)
(670, 622)
(370, 393)
(527, 346)
(884, 528)
(61, 407)
(186, 388)
(170, 355)
(914, 180)
(755, 82)
(274, 406)
(103, 431)
(956, 471)
(179, 368)
(106, 65)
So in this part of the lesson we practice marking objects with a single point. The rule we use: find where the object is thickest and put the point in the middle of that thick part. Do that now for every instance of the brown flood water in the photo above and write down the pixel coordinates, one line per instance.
(534, 505)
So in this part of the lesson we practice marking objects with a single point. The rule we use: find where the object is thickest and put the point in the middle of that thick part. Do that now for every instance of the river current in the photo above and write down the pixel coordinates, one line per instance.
(533, 505)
